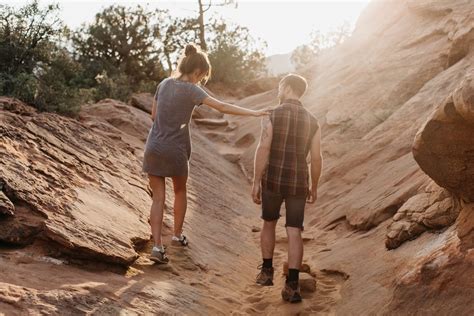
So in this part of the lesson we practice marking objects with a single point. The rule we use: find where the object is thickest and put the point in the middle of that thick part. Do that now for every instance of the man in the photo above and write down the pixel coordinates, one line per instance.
(281, 174)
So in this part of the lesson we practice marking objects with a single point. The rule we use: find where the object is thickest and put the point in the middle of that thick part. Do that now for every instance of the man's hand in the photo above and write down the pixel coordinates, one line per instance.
(257, 193)
(312, 195)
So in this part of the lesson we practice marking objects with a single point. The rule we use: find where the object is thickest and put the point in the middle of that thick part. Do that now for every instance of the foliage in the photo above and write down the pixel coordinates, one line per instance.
(33, 67)
(120, 45)
(302, 55)
(203, 7)
(124, 50)
(176, 34)
(305, 54)
(235, 56)
(58, 89)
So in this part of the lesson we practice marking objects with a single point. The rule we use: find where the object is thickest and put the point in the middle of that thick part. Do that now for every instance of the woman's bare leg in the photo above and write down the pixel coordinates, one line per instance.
(180, 203)
(157, 185)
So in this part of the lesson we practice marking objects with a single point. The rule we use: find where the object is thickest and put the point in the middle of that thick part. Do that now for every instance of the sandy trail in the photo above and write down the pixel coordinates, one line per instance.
(214, 275)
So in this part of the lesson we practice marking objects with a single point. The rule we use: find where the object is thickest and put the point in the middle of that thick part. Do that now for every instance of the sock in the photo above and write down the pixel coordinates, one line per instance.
(293, 275)
(178, 238)
(267, 263)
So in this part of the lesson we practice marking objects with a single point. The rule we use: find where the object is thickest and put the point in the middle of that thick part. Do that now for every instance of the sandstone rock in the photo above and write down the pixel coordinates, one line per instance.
(434, 209)
(142, 101)
(256, 229)
(442, 280)
(465, 229)
(307, 283)
(232, 157)
(429, 7)
(444, 146)
(205, 112)
(211, 122)
(6, 206)
(131, 121)
(73, 186)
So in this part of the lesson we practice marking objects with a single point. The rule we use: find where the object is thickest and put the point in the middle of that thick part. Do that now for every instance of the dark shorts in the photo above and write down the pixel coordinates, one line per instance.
(271, 204)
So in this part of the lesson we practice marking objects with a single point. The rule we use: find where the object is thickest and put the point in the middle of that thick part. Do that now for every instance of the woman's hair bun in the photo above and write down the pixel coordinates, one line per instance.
(190, 50)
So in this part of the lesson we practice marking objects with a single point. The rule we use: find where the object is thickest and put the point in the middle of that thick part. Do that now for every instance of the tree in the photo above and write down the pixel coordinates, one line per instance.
(121, 42)
(33, 65)
(320, 41)
(236, 57)
(302, 56)
(202, 9)
(175, 35)
(26, 38)
(305, 54)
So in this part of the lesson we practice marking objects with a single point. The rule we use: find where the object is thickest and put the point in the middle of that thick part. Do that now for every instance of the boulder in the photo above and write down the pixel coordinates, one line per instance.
(444, 146)
(142, 101)
(307, 283)
(433, 209)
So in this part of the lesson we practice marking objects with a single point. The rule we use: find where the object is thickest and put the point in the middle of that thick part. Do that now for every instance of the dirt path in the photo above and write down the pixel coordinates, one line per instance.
(215, 275)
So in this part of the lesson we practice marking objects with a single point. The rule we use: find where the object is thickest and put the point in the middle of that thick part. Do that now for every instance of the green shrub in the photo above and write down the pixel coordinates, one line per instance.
(235, 56)
(33, 66)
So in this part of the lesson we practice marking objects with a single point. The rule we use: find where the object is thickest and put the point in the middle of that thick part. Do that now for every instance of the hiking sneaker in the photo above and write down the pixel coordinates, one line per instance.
(159, 255)
(180, 241)
(291, 292)
(265, 277)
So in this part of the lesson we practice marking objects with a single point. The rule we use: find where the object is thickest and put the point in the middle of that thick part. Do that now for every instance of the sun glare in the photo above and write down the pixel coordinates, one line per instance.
(283, 25)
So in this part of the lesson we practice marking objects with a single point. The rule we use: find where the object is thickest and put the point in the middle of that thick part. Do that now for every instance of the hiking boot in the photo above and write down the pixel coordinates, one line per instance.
(159, 256)
(180, 241)
(265, 277)
(291, 292)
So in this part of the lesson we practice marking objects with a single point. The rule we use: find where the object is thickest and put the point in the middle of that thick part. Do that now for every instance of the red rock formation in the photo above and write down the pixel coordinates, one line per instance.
(444, 146)
(75, 187)
(372, 95)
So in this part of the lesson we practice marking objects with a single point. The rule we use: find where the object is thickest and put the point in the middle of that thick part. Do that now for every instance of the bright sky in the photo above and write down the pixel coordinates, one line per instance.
(282, 24)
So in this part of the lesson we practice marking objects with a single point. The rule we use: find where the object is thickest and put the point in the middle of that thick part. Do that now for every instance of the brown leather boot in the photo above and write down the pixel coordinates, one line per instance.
(265, 277)
(291, 292)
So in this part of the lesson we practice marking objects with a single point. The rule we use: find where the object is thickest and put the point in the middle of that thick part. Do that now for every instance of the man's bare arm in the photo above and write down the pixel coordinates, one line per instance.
(262, 155)
(316, 166)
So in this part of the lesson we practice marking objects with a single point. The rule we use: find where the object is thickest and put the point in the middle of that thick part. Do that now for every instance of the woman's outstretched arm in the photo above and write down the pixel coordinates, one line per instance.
(228, 108)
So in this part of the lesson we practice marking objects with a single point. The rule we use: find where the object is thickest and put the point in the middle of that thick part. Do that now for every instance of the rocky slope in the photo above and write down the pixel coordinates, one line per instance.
(81, 190)
(402, 80)
(74, 198)
(392, 232)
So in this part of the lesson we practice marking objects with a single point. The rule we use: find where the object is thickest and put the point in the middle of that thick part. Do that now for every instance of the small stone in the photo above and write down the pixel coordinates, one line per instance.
(307, 283)
(256, 229)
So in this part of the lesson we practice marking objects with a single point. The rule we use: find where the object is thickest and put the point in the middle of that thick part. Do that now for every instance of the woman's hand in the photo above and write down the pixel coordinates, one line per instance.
(263, 112)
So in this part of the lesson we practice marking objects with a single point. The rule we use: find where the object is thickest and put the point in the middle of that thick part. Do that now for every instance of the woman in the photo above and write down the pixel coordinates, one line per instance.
(168, 147)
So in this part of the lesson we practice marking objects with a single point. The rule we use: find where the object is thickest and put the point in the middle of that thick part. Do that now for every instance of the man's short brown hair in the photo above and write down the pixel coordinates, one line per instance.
(297, 83)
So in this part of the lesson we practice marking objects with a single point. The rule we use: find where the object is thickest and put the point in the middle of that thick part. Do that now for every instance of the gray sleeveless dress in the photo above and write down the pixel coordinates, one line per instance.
(168, 146)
